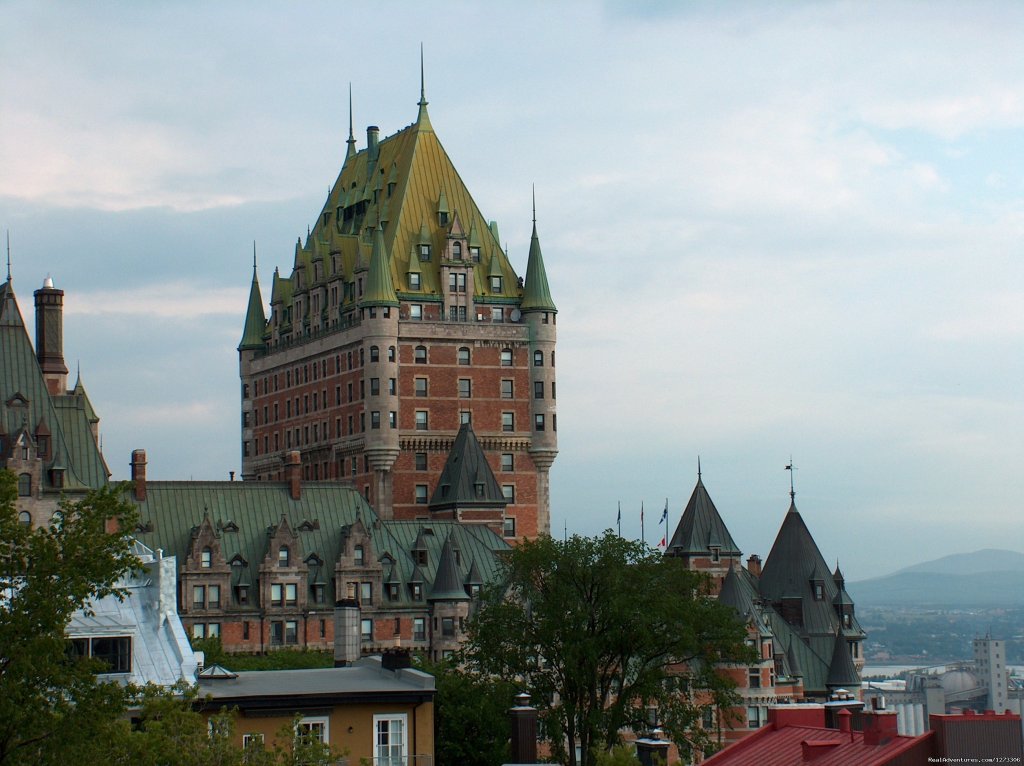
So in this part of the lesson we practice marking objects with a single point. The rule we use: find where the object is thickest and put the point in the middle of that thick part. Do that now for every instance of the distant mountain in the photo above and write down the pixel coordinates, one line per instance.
(985, 578)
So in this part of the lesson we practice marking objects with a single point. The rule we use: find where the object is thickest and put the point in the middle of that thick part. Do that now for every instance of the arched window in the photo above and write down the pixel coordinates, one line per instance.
(205, 558)
(457, 251)
(421, 355)
(374, 354)
(464, 355)
(25, 485)
(391, 353)
(25, 519)
(283, 556)
(538, 358)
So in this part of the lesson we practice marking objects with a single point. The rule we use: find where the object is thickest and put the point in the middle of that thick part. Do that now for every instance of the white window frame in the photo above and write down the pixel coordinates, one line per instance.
(309, 721)
(383, 752)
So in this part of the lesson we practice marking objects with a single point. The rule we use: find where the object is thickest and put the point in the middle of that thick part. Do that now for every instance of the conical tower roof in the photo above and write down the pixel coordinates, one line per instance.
(467, 478)
(841, 671)
(537, 294)
(380, 287)
(255, 319)
(701, 527)
(447, 582)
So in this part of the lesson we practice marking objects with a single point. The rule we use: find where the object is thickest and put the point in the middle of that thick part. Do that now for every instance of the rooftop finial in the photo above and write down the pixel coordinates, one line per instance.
(790, 467)
(423, 80)
(254, 256)
(533, 194)
(351, 132)
(698, 467)
(8, 255)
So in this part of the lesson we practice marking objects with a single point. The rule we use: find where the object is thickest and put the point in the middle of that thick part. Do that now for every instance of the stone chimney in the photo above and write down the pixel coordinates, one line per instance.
(139, 473)
(293, 474)
(347, 638)
(524, 730)
(50, 337)
(754, 565)
(372, 147)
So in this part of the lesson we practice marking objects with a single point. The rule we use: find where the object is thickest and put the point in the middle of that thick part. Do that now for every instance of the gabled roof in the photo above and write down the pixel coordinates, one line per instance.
(467, 478)
(701, 527)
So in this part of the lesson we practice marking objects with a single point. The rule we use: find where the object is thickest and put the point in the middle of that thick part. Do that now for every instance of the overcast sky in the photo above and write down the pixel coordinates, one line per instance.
(770, 230)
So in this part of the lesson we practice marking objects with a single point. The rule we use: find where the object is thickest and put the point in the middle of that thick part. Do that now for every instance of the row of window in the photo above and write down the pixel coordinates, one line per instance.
(508, 461)
(312, 371)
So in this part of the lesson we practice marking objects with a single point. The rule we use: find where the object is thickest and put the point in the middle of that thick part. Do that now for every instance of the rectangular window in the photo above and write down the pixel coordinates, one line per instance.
(508, 527)
(392, 386)
(421, 461)
(422, 420)
(199, 630)
(448, 627)
(421, 494)
(508, 421)
(507, 389)
(506, 357)
(464, 355)
(465, 388)
(419, 629)
(538, 422)
(421, 386)
(366, 630)
(755, 678)
(313, 728)
(538, 389)
(213, 630)
(389, 746)
(276, 594)
(508, 491)
(290, 594)
(198, 596)
(213, 596)
(416, 311)
(456, 282)
(277, 633)
(497, 314)
(375, 419)
(374, 386)
(507, 461)
(393, 419)
(366, 593)
(291, 632)
(495, 284)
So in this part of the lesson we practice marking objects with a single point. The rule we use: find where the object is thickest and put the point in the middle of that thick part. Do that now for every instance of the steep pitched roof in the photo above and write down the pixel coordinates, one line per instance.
(700, 527)
(380, 287)
(467, 478)
(841, 670)
(255, 318)
(26, 403)
(448, 585)
(537, 296)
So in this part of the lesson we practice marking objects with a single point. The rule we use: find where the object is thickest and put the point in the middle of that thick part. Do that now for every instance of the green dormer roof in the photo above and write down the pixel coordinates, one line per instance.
(255, 319)
(537, 294)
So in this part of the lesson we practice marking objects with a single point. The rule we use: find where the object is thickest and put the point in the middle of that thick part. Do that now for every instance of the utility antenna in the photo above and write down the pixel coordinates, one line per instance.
(790, 467)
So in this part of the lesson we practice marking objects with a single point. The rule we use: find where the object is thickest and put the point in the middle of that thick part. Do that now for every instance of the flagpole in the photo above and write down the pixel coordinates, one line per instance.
(643, 537)
(618, 520)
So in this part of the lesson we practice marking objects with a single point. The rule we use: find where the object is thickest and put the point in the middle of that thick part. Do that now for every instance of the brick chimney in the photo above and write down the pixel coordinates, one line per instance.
(880, 727)
(524, 730)
(139, 473)
(754, 565)
(50, 337)
(293, 473)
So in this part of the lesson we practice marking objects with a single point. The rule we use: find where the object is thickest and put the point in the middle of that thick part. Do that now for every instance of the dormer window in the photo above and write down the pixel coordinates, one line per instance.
(457, 251)
(283, 556)
(414, 281)
(474, 254)
(716, 554)
(819, 590)
(417, 592)
(495, 284)
(847, 620)
(359, 555)
(424, 252)
(442, 217)
(206, 558)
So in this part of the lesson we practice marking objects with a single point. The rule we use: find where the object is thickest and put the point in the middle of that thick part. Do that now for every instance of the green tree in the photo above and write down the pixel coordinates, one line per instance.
(52, 707)
(470, 716)
(611, 627)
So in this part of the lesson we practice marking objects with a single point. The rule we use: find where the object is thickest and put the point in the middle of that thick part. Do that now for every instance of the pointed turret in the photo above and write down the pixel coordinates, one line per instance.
(255, 319)
(701, 529)
(467, 480)
(380, 287)
(795, 669)
(447, 582)
(841, 670)
(537, 294)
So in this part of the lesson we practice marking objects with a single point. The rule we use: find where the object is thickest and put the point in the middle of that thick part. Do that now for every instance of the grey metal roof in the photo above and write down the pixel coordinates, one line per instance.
(467, 478)
(448, 585)
(161, 653)
(364, 679)
(841, 671)
(701, 527)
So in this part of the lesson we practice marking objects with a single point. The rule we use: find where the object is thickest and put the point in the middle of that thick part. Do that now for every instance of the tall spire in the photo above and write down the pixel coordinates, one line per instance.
(423, 119)
(537, 294)
(8, 255)
(351, 133)
(255, 318)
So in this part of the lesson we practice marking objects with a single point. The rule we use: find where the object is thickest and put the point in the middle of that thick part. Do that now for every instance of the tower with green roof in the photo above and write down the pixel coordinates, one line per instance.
(401, 319)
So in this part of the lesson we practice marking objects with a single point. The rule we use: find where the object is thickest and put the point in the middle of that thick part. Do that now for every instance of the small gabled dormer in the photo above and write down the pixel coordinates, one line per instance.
(43, 440)
(443, 213)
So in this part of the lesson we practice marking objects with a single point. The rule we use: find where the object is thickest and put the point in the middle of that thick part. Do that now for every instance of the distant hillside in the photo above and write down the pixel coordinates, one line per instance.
(986, 578)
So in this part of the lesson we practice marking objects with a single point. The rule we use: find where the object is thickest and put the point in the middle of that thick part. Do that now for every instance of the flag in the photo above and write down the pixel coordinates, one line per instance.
(662, 543)
(664, 514)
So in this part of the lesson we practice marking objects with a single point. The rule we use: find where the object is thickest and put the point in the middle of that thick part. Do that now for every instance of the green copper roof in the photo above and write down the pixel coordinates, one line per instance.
(448, 585)
(701, 528)
(26, 405)
(380, 287)
(841, 670)
(537, 294)
(255, 319)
